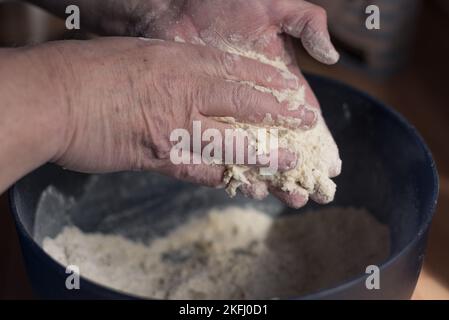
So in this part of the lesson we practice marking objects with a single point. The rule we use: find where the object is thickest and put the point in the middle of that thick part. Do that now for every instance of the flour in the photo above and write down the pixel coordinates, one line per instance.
(234, 253)
(317, 152)
(318, 155)
(319, 46)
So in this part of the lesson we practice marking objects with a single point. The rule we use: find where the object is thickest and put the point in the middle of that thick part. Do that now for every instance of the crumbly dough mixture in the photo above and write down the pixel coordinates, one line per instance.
(235, 253)
(318, 156)
(317, 152)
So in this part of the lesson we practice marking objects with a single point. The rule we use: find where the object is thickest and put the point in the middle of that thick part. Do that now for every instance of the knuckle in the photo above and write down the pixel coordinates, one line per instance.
(317, 12)
(228, 62)
(242, 96)
(200, 95)
(182, 172)
(204, 53)
(270, 73)
(159, 151)
(162, 153)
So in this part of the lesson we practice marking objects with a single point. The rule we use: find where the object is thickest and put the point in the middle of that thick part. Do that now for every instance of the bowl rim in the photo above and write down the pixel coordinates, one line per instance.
(424, 227)
(431, 207)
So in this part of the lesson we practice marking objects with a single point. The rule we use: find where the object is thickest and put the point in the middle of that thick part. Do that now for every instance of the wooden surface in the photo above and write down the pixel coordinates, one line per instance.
(421, 93)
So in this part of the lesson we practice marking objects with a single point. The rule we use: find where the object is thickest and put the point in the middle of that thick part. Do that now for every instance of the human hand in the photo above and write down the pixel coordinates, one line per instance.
(124, 96)
(241, 25)
(249, 26)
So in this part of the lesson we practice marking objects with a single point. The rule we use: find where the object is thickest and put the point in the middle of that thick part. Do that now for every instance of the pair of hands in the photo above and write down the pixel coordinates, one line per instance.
(122, 97)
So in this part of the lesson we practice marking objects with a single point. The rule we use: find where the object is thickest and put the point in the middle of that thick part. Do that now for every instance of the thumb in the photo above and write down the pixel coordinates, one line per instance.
(308, 22)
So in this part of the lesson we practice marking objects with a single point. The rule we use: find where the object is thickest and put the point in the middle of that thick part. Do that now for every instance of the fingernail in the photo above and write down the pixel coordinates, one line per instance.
(319, 46)
(331, 55)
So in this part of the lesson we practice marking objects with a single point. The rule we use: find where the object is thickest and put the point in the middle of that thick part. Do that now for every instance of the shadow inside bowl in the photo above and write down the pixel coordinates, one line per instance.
(387, 169)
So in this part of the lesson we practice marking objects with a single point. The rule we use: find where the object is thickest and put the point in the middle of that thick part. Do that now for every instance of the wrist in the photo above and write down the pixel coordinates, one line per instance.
(33, 112)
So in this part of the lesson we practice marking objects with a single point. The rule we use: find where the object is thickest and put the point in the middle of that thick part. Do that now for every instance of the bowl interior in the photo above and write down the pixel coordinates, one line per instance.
(387, 169)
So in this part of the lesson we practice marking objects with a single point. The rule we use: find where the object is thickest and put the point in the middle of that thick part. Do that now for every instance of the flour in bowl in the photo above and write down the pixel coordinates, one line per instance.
(233, 253)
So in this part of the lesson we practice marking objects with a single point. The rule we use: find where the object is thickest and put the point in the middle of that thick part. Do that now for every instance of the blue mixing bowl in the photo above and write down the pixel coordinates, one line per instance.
(387, 169)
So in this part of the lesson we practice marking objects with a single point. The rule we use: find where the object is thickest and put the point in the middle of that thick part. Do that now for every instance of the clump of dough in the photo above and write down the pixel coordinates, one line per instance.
(318, 156)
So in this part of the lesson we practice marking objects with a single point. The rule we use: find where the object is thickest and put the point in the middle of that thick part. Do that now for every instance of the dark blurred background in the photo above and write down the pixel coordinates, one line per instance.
(405, 64)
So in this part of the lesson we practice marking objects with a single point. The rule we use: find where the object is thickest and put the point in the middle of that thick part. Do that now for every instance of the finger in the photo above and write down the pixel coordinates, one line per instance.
(250, 105)
(257, 69)
(295, 199)
(310, 96)
(335, 170)
(223, 142)
(256, 189)
(324, 191)
(287, 160)
(308, 22)
(205, 174)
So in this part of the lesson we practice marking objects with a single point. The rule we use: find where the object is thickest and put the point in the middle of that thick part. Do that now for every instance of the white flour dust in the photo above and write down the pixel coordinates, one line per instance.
(318, 159)
(233, 253)
(318, 155)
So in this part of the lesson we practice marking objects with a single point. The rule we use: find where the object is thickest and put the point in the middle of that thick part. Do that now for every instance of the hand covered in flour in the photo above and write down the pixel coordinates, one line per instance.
(248, 24)
(257, 25)
(124, 97)
(261, 27)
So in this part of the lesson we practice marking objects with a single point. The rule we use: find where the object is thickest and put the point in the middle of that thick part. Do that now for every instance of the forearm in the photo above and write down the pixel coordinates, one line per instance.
(31, 113)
